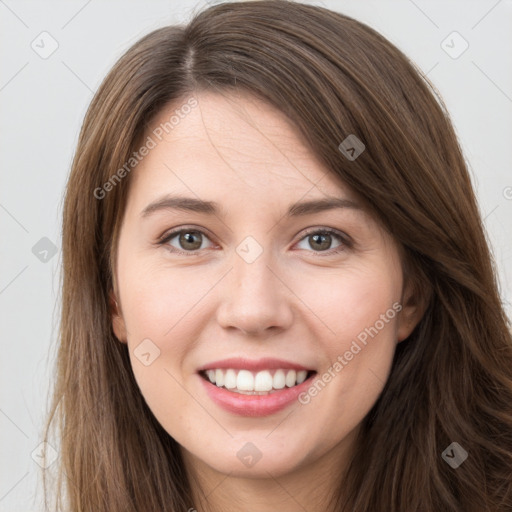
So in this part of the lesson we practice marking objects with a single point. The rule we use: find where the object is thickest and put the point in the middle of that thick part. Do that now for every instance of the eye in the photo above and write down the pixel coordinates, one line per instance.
(321, 239)
(189, 241)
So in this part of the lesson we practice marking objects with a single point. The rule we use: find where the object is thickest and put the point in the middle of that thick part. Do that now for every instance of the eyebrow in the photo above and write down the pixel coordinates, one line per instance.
(191, 204)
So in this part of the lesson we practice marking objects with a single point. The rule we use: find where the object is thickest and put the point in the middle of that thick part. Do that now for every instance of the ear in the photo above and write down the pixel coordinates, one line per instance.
(118, 324)
(414, 303)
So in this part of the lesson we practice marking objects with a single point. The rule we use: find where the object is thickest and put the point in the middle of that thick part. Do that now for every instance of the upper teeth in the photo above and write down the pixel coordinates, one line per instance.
(245, 380)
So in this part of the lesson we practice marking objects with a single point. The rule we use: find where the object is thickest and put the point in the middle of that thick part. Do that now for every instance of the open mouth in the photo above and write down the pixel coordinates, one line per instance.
(262, 382)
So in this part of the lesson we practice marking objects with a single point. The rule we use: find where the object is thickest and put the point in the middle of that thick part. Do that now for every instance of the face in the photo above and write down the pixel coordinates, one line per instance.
(293, 312)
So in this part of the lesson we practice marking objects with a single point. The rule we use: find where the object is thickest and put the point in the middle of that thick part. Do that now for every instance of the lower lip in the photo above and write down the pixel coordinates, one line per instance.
(255, 405)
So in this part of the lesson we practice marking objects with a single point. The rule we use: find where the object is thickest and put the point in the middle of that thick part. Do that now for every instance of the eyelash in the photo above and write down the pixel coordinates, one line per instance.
(345, 242)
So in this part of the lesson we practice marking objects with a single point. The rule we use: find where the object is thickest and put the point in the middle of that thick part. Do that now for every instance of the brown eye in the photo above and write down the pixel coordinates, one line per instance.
(190, 240)
(187, 240)
(321, 240)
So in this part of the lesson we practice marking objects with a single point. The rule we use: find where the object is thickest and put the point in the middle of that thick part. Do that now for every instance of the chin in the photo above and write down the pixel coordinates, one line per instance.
(258, 458)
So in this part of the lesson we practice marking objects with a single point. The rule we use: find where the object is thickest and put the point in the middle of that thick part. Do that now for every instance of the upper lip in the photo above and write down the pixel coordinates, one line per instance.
(241, 363)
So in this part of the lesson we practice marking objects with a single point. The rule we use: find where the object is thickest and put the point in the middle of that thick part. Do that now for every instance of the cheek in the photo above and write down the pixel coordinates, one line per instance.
(352, 300)
(162, 305)
(159, 312)
(361, 313)
(157, 300)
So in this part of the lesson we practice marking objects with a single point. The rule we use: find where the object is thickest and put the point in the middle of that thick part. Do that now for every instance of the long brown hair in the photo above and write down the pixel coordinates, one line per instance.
(451, 380)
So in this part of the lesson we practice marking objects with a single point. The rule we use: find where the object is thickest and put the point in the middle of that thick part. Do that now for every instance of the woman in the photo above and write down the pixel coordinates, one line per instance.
(277, 291)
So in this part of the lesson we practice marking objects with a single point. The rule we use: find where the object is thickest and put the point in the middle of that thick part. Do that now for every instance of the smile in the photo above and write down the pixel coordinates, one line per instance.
(254, 388)
(249, 382)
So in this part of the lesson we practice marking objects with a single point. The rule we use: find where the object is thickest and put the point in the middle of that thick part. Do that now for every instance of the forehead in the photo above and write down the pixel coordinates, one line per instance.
(230, 142)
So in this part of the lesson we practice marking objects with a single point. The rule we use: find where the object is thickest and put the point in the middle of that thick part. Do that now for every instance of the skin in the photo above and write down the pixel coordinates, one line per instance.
(293, 302)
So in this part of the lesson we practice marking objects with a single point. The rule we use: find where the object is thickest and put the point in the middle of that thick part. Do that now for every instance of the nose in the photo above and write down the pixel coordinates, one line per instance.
(255, 298)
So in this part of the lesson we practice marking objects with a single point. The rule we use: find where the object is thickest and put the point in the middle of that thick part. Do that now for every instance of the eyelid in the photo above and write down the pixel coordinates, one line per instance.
(345, 240)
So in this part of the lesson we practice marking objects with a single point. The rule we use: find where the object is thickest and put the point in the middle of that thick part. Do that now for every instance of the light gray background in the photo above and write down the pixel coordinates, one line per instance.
(43, 102)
